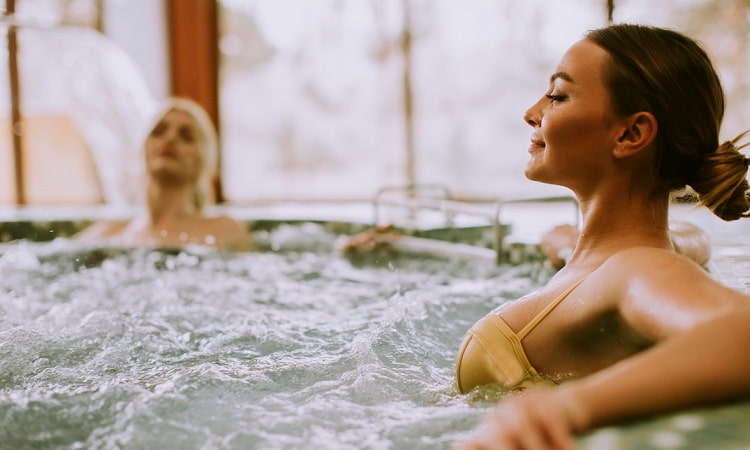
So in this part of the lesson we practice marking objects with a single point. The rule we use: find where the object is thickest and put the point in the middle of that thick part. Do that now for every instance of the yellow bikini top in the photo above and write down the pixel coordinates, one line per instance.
(492, 351)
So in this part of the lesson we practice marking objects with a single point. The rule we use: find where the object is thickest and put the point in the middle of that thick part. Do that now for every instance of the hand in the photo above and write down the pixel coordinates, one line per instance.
(370, 240)
(537, 419)
(557, 241)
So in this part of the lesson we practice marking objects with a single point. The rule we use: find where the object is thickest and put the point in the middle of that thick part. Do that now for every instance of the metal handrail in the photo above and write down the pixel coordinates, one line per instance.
(551, 199)
(410, 190)
(451, 206)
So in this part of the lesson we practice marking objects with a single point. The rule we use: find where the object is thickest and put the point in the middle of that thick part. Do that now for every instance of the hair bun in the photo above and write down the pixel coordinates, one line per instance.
(721, 180)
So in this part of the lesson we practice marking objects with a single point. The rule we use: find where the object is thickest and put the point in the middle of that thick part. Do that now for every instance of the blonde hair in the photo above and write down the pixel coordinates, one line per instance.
(203, 192)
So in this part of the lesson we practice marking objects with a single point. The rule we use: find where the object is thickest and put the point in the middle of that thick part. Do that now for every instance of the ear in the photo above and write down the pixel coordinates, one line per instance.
(637, 134)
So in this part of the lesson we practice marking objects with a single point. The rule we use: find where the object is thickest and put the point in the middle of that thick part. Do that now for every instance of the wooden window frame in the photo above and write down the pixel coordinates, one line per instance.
(193, 33)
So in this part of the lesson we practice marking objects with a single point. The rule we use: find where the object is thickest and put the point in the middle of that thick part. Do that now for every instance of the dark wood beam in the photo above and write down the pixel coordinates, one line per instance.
(408, 93)
(194, 58)
(16, 124)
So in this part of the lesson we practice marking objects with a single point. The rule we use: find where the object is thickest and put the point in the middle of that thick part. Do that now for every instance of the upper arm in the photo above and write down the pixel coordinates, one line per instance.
(666, 293)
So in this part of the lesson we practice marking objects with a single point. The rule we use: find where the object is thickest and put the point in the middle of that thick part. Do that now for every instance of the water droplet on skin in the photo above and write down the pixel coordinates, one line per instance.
(183, 237)
(163, 233)
(209, 239)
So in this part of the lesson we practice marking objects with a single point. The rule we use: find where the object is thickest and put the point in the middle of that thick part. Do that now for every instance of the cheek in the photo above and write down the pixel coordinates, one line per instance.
(581, 129)
(148, 151)
(195, 154)
(560, 128)
(150, 147)
(193, 157)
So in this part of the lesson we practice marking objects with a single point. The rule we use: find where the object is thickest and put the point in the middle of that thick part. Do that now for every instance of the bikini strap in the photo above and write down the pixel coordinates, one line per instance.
(548, 309)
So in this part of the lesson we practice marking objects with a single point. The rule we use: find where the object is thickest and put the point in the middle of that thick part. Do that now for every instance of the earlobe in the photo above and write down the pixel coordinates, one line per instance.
(638, 133)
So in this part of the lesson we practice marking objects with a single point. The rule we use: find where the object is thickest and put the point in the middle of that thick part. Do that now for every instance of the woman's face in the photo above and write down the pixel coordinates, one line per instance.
(574, 126)
(172, 148)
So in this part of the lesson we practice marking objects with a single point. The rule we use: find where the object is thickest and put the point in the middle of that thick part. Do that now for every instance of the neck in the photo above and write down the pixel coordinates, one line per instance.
(167, 202)
(614, 223)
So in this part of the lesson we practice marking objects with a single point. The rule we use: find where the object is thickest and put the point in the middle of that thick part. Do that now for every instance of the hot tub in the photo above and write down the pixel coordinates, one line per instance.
(293, 347)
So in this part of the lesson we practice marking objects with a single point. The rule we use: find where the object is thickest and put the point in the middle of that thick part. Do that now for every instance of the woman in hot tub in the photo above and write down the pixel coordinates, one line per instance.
(631, 114)
(180, 158)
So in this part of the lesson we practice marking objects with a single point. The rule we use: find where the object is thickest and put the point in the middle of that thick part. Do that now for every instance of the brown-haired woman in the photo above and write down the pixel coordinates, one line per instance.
(631, 114)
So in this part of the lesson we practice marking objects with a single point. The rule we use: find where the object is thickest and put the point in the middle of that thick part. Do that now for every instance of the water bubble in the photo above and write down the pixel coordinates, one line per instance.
(667, 439)
(688, 422)
(19, 259)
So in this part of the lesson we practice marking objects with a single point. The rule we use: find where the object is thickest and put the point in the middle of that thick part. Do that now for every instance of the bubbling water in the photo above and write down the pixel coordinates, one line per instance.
(297, 348)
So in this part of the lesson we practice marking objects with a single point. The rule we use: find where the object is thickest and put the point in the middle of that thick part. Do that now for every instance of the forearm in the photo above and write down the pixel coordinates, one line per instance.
(707, 364)
(95, 232)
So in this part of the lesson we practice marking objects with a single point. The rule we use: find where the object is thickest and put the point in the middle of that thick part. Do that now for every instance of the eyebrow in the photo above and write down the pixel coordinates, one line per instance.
(564, 75)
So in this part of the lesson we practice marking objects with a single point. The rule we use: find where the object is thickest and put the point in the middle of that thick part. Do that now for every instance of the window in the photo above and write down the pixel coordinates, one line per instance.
(313, 99)
(315, 95)
(81, 103)
(324, 99)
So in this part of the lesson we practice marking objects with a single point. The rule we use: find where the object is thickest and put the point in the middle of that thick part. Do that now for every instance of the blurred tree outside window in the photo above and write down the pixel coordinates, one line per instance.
(312, 93)
(723, 27)
(313, 96)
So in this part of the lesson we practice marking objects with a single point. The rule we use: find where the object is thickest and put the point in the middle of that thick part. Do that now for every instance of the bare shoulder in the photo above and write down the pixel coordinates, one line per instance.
(639, 259)
(660, 292)
(230, 234)
(100, 230)
(225, 224)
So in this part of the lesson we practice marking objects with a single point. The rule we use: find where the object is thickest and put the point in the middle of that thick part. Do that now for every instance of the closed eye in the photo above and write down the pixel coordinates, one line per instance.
(159, 129)
(556, 98)
(186, 134)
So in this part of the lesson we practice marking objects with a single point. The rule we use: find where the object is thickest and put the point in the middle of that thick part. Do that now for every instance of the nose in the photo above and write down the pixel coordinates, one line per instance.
(170, 135)
(533, 115)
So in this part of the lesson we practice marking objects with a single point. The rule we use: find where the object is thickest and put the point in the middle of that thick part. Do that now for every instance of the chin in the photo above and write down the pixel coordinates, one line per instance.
(531, 172)
(537, 176)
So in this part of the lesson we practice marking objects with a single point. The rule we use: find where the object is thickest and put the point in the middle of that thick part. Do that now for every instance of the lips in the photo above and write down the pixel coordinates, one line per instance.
(167, 152)
(536, 144)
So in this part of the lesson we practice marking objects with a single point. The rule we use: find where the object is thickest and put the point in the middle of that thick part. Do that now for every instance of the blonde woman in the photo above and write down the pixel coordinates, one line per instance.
(180, 154)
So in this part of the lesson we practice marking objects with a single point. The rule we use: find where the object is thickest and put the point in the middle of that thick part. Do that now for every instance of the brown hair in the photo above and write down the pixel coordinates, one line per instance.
(669, 75)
